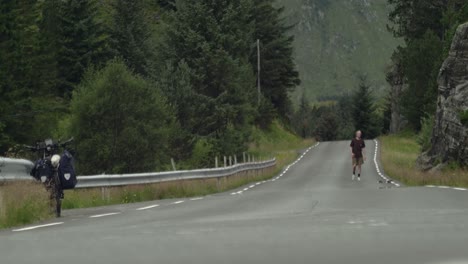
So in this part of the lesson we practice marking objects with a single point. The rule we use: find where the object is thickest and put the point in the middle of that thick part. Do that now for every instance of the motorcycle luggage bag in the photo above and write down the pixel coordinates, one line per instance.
(41, 169)
(66, 171)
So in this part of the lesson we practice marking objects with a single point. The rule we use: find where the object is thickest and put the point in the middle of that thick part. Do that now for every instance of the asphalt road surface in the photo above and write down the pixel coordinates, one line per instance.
(314, 213)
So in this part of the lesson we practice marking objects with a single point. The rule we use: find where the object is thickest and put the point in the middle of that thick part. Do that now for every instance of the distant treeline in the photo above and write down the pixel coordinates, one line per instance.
(427, 28)
(338, 119)
(137, 82)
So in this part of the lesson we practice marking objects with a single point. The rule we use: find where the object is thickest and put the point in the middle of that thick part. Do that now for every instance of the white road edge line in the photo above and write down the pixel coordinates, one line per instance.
(36, 227)
(282, 173)
(103, 215)
(446, 187)
(377, 165)
(147, 207)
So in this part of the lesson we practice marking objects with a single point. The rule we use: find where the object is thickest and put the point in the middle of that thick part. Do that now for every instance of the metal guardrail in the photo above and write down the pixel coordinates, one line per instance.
(15, 169)
(18, 169)
(145, 178)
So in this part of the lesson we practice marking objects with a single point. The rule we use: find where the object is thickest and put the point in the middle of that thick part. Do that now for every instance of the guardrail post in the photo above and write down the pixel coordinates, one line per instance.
(105, 194)
(225, 162)
(230, 161)
(235, 160)
(243, 157)
(216, 162)
(173, 164)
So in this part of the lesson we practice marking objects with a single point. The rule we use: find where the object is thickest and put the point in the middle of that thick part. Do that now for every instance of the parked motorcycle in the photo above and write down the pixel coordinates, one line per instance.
(55, 171)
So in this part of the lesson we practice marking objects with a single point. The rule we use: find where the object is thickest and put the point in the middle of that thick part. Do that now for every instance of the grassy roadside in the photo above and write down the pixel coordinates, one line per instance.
(399, 154)
(22, 204)
(277, 142)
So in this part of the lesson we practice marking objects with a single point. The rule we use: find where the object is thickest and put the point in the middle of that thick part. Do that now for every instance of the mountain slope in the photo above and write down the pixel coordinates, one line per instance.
(336, 41)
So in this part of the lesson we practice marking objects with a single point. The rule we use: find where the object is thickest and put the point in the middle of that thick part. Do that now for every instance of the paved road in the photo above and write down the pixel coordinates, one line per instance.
(313, 214)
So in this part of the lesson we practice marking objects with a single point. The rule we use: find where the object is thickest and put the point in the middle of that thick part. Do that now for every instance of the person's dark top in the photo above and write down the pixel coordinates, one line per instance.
(357, 145)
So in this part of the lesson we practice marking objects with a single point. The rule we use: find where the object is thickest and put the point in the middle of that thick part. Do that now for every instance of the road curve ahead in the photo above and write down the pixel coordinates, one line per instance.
(314, 213)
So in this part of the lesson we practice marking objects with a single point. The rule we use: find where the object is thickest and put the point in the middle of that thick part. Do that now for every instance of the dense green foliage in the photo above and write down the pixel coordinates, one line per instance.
(77, 39)
(340, 119)
(427, 27)
(214, 39)
(425, 135)
(140, 82)
(130, 34)
(120, 121)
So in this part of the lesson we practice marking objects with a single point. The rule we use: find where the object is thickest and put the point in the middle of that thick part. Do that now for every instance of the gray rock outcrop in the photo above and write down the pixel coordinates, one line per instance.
(450, 133)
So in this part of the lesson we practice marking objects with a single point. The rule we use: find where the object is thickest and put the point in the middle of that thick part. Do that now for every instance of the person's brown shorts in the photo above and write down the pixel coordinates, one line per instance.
(358, 161)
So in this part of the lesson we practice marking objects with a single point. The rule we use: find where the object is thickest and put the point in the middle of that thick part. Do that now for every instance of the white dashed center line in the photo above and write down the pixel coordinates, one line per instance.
(178, 202)
(36, 227)
(103, 215)
(148, 207)
(196, 199)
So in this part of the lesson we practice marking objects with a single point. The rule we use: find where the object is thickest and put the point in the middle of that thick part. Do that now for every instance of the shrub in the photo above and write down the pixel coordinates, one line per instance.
(120, 121)
(463, 115)
(425, 135)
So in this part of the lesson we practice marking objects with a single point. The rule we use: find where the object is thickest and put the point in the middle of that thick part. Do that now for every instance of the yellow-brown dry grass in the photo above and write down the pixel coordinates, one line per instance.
(22, 203)
(92, 197)
(399, 154)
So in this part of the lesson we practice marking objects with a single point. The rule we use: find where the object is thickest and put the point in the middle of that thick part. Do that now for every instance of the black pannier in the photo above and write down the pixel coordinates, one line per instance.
(66, 171)
(41, 170)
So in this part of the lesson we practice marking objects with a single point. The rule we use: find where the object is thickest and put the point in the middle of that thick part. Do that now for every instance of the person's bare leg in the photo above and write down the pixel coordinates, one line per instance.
(354, 171)
(359, 172)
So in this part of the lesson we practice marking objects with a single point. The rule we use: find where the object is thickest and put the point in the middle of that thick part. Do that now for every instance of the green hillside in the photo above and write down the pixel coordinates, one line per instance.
(338, 40)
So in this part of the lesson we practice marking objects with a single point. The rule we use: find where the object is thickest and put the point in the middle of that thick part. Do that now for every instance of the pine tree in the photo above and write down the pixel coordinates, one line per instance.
(363, 111)
(130, 34)
(80, 39)
(19, 77)
(214, 40)
(279, 76)
(421, 64)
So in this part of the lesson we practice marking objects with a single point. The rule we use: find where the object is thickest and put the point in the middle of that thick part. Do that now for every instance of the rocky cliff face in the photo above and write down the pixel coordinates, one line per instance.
(450, 134)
